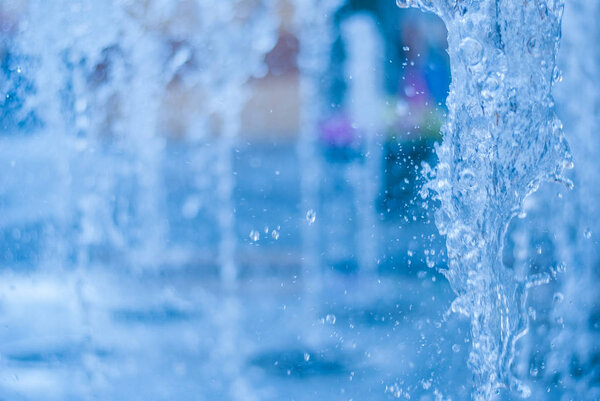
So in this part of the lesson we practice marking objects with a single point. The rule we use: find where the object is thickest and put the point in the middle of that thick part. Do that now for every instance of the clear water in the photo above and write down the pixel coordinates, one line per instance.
(502, 138)
(139, 265)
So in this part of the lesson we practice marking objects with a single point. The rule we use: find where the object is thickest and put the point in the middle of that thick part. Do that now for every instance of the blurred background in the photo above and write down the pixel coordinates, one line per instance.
(393, 109)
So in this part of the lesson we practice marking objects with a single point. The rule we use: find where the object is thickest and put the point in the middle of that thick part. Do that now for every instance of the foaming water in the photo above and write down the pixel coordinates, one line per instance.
(501, 140)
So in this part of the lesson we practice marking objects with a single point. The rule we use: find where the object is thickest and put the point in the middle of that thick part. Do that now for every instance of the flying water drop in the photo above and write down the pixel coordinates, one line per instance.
(311, 216)
(254, 235)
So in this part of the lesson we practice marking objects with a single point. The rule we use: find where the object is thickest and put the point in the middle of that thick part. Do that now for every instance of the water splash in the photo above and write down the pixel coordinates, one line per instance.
(501, 140)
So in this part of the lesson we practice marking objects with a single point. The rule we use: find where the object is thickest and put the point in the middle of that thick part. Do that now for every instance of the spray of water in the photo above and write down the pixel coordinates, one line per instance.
(501, 140)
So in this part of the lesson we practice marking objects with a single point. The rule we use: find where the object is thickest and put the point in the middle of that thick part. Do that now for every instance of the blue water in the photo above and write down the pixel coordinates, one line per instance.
(142, 264)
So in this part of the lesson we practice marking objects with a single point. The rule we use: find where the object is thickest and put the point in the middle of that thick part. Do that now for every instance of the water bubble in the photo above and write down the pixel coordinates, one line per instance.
(533, 46)
(587, 233)
(520, 388)
(330, 318)
(254, 235)
(556, 75)
(568, 165)
(275, 235)
(471, 51)
(406, 48)
(306, 357)
(456, 348)
(490, 86)
(311, 216)
(430, 263)
(558, 297)
(467, 179)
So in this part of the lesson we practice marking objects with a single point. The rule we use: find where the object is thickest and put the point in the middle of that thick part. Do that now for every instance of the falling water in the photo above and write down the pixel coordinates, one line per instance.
(312, 19)
(76, 71)
(501, 140)
(364, 50)
(100, 71)
(235, 38)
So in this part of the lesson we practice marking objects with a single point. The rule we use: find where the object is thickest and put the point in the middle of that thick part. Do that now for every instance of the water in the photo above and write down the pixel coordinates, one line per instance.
(153, 251)
(365, 91)
(315, 36)
(570, 364)
(501, 140)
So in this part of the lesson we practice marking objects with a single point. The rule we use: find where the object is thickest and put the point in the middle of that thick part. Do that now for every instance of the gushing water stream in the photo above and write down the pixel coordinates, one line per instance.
(501, 140)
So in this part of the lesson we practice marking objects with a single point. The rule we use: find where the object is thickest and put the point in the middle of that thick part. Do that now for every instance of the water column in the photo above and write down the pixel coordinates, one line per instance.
(42, 43)
(501, 140)
(313, 26)
(66, 41)
(235, 36)
(227, 102)
(143, 146)
(363, 72)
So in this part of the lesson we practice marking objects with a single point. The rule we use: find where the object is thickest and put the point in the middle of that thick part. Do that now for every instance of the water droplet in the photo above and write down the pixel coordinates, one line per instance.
(406, 48)
(330, 318)
(556, 75)
(306, 357)
(456, 348)
(275, 234)
(587, 233)
(254, 235)
(568, 165)
(558, 297)
(311, 216)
